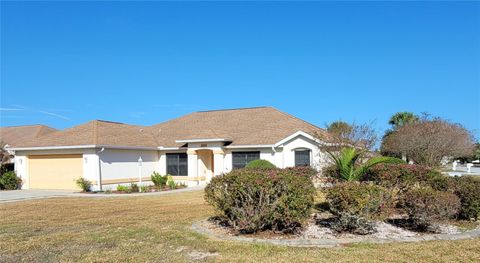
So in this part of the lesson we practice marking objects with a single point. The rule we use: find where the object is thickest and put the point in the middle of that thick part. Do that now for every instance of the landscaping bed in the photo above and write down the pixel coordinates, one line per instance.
(385, 202)
(135, 190)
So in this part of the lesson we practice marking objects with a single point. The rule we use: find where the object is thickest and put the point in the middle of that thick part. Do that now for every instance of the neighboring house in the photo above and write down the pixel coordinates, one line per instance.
(15, 135)
(192, 148)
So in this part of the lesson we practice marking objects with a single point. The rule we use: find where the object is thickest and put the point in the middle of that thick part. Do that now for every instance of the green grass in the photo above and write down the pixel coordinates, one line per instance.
(157, 229)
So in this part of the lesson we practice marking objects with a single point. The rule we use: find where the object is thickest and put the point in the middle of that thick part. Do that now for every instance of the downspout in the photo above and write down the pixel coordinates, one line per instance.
(100, 169)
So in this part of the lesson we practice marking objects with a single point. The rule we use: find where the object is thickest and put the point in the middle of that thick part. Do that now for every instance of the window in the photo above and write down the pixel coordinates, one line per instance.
(240, 159)
(302, 158)
(177, 164)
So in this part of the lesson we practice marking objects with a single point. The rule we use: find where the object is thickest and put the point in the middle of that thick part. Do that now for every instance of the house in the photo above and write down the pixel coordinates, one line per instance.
(192, 148)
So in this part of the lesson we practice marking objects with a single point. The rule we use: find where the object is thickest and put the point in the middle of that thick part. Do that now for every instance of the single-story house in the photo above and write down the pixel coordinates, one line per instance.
(192, 148)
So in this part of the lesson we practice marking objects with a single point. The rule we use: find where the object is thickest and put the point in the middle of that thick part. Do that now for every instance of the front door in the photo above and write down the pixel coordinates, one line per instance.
(205, 164)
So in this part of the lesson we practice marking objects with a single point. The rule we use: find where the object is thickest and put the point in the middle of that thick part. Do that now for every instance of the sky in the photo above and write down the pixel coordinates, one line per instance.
(65, 63)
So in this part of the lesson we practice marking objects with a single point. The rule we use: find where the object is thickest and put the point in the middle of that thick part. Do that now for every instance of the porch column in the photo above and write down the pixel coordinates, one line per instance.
(192, 168)
(218, 157)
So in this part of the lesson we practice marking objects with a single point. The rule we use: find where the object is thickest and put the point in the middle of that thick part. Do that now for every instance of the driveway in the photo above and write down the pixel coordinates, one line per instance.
(20, 195)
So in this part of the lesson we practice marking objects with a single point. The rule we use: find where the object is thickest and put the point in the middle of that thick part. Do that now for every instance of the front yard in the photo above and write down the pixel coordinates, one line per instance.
(157, 229)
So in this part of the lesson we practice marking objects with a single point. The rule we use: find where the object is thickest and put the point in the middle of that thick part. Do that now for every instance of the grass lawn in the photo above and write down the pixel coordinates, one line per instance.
(157, 229)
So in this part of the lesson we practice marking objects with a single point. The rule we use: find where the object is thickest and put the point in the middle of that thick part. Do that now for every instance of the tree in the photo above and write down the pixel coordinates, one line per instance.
(400, 119)
(426, 141)
(339, 128)
(5, 157)
(349, 166)
(351, 135)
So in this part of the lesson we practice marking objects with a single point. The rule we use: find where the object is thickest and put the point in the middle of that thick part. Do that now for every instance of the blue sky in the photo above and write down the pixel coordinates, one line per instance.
(65, 63)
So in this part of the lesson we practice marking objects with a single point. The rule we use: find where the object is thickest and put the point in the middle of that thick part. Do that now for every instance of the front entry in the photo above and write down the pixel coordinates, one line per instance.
(205, 164)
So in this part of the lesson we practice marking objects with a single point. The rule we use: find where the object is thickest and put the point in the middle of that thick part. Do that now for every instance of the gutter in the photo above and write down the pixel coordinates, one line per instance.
(81, 147)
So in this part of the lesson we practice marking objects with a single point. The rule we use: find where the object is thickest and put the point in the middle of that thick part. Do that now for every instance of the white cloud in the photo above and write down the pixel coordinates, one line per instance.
(54, 115)
(10, 109)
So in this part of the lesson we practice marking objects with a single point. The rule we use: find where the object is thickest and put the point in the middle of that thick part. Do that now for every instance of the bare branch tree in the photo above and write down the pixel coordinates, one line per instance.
(351, 135)
(428, 140)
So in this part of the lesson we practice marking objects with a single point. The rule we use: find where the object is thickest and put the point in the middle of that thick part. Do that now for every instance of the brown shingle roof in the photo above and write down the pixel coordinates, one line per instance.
(96, 133)
(248, 126)
(17, 134)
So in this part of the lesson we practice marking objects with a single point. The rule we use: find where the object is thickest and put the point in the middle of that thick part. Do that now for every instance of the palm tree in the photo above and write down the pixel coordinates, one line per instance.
(349, 165)
(401, 118)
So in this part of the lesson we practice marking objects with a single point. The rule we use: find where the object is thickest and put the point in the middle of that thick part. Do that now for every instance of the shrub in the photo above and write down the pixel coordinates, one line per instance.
(260, 164)
(467, 188)
(144, 189)
(10, 181)
(253, 200)
(122, 188)
(171, 183)
(330, 171)
(134, 188)
(84, 184)
(401, 176)
(365, 200)
(353, 224)
(159, 180)
(426, 207)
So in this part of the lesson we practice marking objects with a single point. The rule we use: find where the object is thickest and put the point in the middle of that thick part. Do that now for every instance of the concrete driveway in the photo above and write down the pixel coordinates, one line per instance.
(22, 195)
(19, 195)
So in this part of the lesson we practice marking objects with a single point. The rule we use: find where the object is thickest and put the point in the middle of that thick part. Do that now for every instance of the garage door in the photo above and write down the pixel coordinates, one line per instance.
(54, 171)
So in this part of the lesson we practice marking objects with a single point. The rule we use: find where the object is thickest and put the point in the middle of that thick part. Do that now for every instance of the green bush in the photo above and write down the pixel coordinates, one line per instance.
(171, 183)
(362, 199)
(10, 181)
(159, 180)
(84, 184)
(252, 200)
(260, 164)
(426, 207)
(401, 176)
(144, 189)
(122, 188)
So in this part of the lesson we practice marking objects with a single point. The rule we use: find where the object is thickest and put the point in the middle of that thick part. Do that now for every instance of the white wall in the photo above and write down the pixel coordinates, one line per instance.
(122, 164)
(318, 159)
(21, 168)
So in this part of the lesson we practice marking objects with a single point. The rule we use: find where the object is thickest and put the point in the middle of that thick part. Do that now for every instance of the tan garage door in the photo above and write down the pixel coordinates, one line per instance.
(54, 171)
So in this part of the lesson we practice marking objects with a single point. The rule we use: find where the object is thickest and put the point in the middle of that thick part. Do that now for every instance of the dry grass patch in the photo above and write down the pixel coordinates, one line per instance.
(157, 229)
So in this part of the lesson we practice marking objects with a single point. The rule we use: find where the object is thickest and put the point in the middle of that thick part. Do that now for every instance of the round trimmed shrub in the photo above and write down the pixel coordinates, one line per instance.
(366, 200)
(467, 188)
(10, 181)
(252, 200)
(426, 207)
(260, 164)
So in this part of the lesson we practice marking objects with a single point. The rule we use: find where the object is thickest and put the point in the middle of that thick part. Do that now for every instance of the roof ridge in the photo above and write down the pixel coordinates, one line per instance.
(116, 122)
(244, 108)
